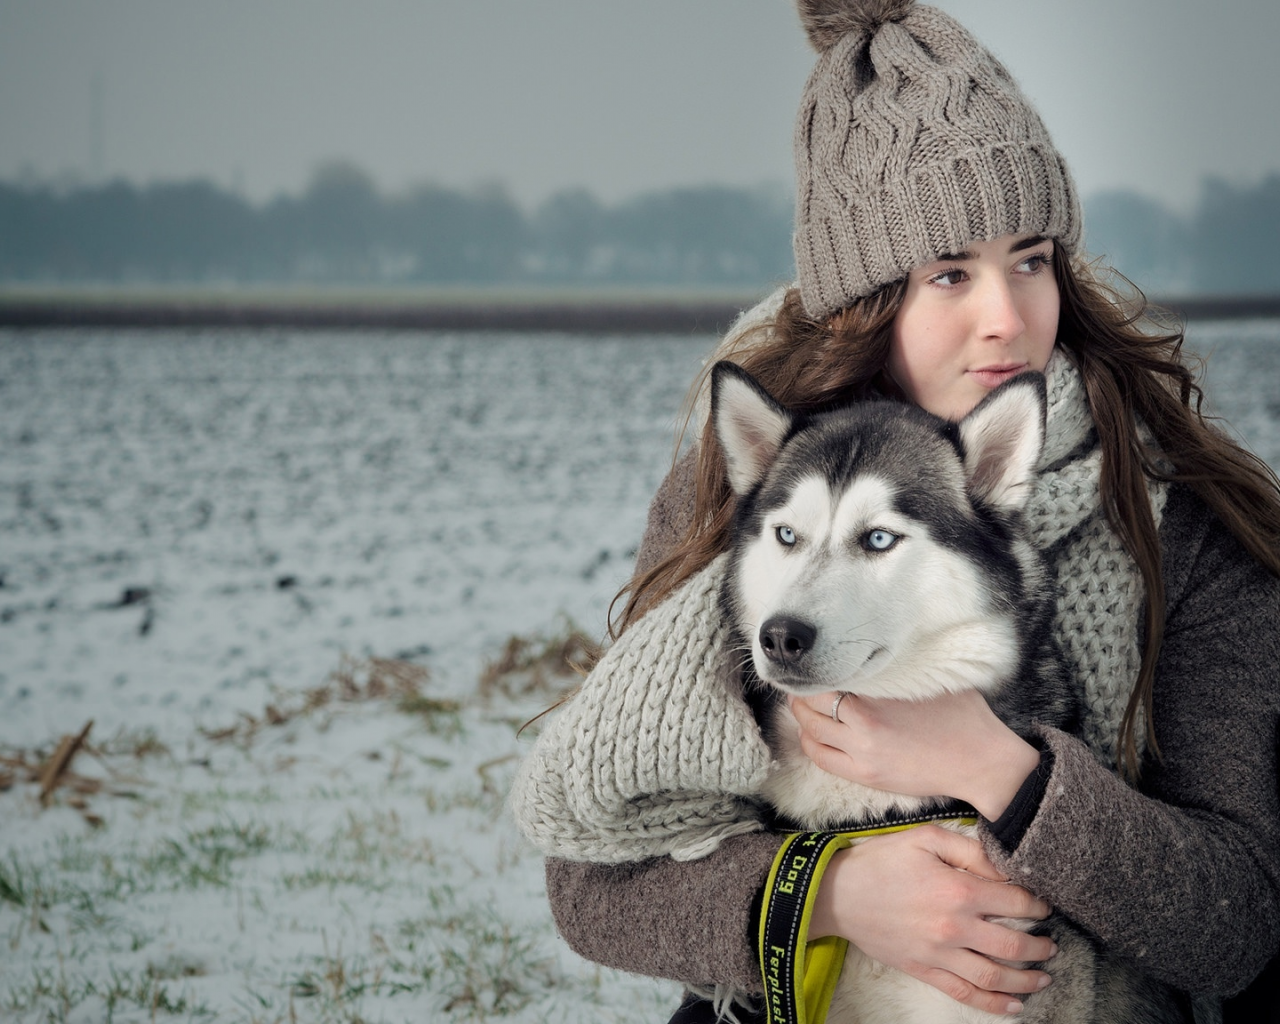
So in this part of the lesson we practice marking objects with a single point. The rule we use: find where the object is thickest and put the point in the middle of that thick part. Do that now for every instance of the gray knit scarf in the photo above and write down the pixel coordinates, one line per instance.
(658, 752)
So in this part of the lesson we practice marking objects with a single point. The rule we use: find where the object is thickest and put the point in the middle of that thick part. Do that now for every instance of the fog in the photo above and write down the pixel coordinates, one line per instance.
(1149, 95)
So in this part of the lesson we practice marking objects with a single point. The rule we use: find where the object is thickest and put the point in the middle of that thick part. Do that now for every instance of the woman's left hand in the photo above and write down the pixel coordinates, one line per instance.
(952, 745)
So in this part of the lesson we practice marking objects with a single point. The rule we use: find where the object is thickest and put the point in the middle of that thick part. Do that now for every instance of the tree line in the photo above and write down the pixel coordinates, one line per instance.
(341, 228)
(1226, 245)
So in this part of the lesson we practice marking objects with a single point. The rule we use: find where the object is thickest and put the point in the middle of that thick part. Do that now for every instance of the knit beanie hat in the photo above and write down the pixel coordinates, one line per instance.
(912, 142)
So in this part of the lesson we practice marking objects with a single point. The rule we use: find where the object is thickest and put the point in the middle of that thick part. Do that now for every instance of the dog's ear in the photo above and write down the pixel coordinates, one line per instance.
(1002, 439)
(749, 425)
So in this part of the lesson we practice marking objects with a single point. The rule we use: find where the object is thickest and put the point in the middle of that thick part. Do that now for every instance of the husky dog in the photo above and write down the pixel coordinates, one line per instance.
(879, 550)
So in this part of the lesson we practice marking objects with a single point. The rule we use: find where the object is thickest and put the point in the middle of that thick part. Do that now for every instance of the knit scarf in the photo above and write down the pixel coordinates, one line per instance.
(658, 753)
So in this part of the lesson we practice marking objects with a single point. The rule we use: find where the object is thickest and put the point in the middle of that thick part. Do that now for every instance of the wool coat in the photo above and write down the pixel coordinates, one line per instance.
(1181, 875)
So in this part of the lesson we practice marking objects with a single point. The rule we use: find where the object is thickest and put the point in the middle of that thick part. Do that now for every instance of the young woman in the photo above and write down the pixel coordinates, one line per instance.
(936, 248)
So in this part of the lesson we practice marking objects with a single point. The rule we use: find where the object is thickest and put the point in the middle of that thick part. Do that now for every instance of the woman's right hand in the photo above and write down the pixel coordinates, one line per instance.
(921, 901)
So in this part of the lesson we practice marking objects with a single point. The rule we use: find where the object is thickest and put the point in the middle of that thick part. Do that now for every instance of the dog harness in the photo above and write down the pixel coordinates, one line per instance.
(800, 976)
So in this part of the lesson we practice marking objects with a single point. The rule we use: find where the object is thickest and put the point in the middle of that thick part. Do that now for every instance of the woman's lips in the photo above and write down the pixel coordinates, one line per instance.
(994, 376)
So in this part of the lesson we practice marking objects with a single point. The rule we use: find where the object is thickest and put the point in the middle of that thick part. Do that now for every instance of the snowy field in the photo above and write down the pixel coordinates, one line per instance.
(279, 572)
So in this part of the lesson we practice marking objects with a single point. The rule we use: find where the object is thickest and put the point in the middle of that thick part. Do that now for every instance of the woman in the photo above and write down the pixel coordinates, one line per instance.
(936, 249)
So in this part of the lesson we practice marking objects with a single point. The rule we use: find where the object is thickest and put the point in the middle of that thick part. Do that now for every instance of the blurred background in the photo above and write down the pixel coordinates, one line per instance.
(577, 143)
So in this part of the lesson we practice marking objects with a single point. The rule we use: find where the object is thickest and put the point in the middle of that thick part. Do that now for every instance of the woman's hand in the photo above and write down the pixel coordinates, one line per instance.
(952, 745)
(921, 901)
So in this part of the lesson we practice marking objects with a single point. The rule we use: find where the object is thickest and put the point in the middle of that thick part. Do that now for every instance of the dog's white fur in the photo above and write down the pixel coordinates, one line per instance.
(890, 636)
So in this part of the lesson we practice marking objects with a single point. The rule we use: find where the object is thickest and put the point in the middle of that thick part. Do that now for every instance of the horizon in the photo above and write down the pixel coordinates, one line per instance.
(343, 229)
(68, 182)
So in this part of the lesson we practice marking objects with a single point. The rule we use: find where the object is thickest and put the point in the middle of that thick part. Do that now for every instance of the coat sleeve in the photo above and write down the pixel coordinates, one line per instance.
(691, 921)
(670, 512)
(1183, 875)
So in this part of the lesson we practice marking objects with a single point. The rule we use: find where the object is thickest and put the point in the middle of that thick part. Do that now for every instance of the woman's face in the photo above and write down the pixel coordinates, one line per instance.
(972, 320)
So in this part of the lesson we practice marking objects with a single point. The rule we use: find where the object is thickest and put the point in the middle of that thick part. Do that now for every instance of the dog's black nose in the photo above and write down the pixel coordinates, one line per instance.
(786, 640)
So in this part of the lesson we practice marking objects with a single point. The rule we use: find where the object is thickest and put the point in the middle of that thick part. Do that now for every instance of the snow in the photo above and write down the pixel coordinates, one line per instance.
(196, 527)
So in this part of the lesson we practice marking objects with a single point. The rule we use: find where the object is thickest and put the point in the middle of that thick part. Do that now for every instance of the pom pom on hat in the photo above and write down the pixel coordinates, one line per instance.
(828, 21)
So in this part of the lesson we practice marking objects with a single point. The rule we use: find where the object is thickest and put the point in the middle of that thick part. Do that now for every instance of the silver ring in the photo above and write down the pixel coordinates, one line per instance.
(835, 706)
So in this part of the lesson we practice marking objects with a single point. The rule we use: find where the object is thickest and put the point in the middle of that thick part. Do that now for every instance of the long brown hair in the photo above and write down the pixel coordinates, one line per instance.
(1131, 361)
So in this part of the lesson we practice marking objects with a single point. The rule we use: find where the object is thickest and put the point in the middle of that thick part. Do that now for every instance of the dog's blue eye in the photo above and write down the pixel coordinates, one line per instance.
(879, 540)
(786, 536)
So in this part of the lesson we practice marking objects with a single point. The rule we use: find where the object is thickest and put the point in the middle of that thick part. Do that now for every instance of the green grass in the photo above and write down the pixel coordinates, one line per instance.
(371, 877)
(18, 883)
(206, 856)
(56, 993)
(441, 717)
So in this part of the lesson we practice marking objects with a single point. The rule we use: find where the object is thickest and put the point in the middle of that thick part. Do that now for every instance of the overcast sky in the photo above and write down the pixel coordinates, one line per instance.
(616, 96)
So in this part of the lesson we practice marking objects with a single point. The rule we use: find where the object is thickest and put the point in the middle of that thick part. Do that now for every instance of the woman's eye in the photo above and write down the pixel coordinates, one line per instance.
(786, 536)
(948, 278)
(879, 540)
(1036, 262)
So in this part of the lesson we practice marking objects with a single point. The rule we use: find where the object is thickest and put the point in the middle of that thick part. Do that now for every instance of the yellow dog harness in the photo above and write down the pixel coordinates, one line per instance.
(800, 976)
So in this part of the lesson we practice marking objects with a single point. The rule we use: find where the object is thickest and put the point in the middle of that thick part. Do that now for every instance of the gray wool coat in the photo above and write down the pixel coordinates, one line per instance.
(1181, 875)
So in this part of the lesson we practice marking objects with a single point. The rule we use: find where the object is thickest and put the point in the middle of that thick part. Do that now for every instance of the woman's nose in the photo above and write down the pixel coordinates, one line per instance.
(999, 317)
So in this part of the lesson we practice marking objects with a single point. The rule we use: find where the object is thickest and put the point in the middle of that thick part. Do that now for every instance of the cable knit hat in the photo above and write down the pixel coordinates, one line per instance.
(912, 141)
